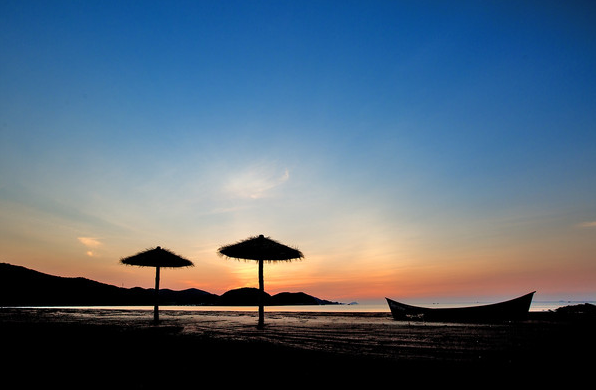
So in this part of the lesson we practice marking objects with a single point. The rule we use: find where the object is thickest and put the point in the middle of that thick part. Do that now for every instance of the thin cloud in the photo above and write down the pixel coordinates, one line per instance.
(91, 243)
(588, 224)
(256, 182)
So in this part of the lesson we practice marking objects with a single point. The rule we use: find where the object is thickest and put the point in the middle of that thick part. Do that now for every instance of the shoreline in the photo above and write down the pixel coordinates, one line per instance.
(337, 346)
(381, 307)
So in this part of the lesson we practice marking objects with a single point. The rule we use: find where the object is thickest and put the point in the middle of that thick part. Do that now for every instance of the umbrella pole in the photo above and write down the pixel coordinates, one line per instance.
(261, 292)
(155, 308)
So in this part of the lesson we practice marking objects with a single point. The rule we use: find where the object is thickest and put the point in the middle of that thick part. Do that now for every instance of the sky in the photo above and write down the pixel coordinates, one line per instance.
(410, 149)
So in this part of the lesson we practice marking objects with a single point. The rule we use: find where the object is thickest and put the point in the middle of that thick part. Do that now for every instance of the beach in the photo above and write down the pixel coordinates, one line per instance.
(121, 348)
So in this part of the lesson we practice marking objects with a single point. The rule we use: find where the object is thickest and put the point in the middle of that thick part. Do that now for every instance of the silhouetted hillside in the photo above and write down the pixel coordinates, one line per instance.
(246, 296)
(249, 296)
(299, 298)
(20, 286)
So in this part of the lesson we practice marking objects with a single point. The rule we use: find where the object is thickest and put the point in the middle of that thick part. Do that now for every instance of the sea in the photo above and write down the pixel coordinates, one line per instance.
(369, 307)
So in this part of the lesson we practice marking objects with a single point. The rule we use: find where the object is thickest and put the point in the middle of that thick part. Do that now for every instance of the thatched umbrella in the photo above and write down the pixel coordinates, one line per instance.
(260, 249)
(158, 258)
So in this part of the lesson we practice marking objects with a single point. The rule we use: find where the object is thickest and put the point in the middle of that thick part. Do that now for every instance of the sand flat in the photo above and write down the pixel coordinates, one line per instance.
(112, 344)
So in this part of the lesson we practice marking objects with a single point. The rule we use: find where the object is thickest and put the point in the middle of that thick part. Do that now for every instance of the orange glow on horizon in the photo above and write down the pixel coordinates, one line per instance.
(369, 271)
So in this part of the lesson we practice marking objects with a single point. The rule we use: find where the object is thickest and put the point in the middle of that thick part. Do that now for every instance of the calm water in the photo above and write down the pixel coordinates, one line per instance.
(536, 306)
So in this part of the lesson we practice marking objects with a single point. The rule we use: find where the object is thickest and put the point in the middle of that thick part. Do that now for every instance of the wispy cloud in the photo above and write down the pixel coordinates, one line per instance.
(588, 224)
(91, 243)
(256, 182)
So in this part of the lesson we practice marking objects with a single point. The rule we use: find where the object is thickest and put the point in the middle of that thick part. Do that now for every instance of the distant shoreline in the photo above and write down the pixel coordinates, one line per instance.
(536, 307)
(23, 287)
(20, 286)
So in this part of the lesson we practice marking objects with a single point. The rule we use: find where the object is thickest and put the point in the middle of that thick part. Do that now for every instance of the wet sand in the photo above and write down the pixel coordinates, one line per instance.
(100, 348)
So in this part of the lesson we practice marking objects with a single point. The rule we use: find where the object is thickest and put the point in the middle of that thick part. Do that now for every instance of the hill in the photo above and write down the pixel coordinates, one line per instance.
(249, 296)
(20, 286)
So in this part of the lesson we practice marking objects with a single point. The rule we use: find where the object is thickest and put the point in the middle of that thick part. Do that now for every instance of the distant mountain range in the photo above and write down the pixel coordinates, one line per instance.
(20, 286)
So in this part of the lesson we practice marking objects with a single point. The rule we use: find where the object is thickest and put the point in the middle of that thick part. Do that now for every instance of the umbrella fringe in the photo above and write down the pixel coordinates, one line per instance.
(264, 261)
(296, 256)
(183, 261)
(161, 266)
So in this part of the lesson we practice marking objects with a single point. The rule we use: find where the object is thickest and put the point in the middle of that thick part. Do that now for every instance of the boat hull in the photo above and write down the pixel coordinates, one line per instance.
(514, 309)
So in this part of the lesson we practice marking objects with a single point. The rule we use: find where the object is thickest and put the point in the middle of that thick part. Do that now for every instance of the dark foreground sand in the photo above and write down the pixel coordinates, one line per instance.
(72, 348)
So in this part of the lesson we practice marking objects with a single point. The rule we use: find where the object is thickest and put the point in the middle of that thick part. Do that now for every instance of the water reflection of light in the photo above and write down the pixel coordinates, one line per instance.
(380, 307)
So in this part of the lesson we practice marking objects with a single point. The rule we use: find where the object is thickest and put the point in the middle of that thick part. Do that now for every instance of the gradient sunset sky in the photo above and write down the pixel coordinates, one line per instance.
(410, 149)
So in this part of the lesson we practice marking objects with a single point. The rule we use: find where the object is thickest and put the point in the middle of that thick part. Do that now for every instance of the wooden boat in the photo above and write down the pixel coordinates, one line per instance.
(514, 309)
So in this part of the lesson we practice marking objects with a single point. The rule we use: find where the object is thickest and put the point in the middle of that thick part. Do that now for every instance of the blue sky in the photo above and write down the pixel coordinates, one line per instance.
(407, 148)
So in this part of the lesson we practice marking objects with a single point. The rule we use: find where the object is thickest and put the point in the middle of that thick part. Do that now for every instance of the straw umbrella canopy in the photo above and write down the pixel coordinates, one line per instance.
(260, 249)
(158, 258)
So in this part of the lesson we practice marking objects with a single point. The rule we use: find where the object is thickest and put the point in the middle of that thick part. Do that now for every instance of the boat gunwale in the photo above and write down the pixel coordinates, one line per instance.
(512, 308)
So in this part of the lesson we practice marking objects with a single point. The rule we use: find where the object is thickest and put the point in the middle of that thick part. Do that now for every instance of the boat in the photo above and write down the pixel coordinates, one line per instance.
(514, 309)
